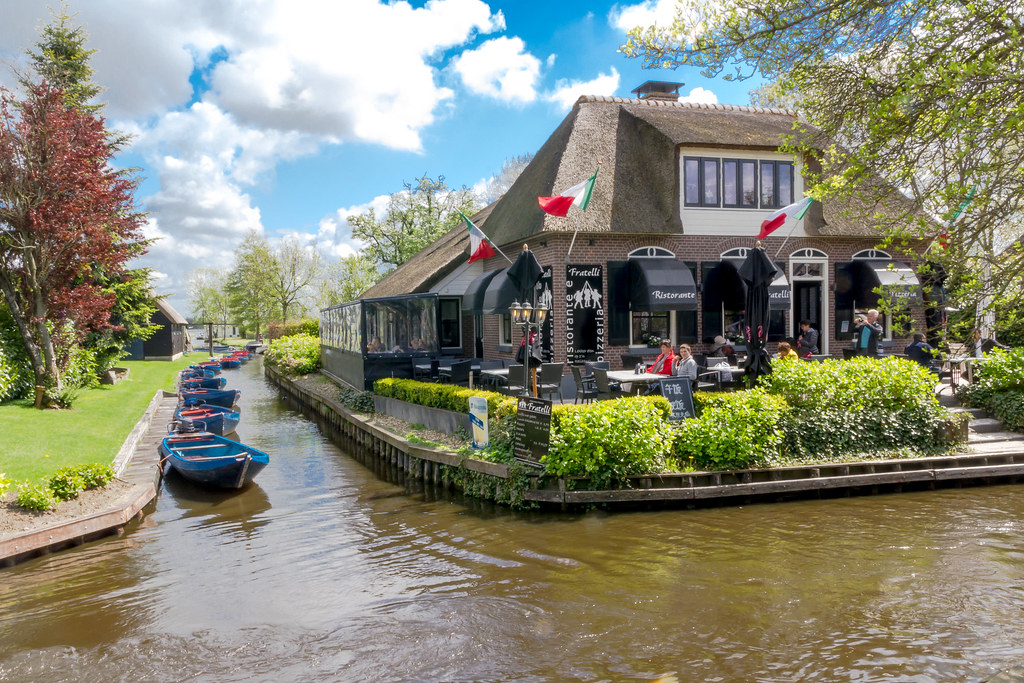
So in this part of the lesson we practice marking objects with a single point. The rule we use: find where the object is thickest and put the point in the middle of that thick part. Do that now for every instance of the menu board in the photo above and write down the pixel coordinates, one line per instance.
(533, 430)
(584, 313)
(679, 393)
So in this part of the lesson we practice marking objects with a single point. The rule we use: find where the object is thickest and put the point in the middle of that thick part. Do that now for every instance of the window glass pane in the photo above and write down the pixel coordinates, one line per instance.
(649, 328)
(749, 184)
(767, 184)
(785, 184)
(710, 182)
(692, 181)
(505, 330)
(729, 194)
(450, 322)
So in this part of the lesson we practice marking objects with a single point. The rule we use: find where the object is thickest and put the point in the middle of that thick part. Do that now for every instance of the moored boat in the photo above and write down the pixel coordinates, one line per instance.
(211, 460)
(217, 397)
(230, 362)
(190, 383)
(207, 418)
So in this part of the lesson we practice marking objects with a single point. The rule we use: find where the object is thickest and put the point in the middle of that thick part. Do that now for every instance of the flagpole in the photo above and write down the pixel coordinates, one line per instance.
(498, 248)
(790, 234)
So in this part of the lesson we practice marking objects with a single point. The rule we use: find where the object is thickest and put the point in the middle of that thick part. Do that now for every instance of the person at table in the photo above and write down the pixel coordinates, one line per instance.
(662, 365)
(807, 342)
(786, 351)
(718, 345)
(867, 331)
(375, 346)
(685, 365)
(983, 345)
(921, 352)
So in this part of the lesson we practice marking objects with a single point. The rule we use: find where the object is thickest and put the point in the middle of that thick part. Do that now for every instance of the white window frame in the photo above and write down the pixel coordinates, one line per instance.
(815, 256)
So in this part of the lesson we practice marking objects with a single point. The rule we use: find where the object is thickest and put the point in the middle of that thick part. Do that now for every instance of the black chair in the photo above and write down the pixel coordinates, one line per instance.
(514, 385)
(630, 360)
(426, 374)
(604, 389)
(586, 388)
(708, 381)
(550, 381)
(460, 370)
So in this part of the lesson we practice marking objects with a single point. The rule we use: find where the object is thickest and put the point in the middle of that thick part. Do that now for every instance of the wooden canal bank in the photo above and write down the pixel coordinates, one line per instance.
(386, 452)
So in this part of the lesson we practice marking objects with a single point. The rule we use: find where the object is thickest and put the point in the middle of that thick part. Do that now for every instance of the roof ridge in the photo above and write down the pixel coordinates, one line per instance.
(651, 102)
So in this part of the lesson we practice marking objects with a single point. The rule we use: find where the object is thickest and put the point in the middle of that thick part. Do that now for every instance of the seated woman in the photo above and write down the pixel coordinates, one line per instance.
(786, 351)
(662, 365)
(686, 366)
(375, 346)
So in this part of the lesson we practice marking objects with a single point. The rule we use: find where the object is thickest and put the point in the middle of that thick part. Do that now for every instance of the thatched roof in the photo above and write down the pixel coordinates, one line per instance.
(436, 261)
(634, 143)
(172, 315)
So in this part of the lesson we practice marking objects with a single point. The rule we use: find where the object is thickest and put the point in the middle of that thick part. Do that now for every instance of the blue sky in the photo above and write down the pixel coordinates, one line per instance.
(288, 117)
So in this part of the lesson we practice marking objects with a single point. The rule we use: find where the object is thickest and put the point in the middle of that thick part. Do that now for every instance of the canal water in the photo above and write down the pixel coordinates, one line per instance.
(324, 572)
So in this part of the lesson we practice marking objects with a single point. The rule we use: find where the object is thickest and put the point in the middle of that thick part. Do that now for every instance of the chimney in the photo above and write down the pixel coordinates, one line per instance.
(658, 90)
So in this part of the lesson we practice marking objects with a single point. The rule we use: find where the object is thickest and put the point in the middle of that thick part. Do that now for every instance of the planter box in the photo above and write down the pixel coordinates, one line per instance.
(445, 421)
(113, 375)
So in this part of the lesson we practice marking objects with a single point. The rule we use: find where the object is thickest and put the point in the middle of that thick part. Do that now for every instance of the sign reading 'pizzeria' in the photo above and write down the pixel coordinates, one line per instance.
(584, 313)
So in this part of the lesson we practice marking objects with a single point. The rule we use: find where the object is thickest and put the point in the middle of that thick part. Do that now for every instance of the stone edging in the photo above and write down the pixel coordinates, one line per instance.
(77, 531)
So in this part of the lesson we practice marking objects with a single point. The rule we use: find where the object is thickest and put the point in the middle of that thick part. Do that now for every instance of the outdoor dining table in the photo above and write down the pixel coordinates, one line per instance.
(632, 377)
(496, 377)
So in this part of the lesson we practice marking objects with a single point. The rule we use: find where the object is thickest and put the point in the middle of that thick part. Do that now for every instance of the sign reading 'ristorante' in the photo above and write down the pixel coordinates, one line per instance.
(584, 313)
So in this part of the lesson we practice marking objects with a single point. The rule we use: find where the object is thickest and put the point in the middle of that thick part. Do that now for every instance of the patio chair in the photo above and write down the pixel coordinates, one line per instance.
(460, 372)
(708, 381)
(629, 361)
(550, 381)
(604, 389)
(426, 374)
(515, 380)
(586, 388)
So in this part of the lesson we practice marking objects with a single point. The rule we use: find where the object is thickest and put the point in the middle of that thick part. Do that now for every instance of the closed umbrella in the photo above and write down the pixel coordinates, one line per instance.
(757, 272)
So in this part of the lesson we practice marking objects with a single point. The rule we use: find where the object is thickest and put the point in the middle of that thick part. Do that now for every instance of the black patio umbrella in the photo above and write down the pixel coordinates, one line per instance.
(525, 273)
(757, 271)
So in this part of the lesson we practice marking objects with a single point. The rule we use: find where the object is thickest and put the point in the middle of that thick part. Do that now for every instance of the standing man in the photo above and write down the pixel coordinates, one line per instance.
(807, 342)
(867, 332)
(983, 345)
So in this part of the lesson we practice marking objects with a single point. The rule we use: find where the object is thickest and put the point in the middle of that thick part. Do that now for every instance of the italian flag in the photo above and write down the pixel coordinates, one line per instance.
(479, 245)
(779, 218)
(577, 195)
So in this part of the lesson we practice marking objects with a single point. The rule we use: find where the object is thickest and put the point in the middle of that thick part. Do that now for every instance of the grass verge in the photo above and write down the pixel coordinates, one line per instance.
(35, 443)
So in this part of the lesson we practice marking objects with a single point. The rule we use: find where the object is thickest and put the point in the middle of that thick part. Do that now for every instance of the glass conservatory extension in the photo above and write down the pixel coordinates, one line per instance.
(362, 341)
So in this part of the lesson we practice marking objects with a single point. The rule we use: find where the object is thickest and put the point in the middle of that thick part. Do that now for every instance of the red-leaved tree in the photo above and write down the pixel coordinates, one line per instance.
(66, 216)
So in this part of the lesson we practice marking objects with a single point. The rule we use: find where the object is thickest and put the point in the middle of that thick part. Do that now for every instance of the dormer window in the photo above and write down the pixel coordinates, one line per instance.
(737, 183)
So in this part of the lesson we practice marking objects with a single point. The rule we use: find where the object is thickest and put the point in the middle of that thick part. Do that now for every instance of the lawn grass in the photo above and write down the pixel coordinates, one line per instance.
(34, 443)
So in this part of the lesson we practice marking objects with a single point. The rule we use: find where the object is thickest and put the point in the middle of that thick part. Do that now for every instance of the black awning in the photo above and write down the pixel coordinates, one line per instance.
(500, 294)
(473, 299)
(857, 281)
(661, 284)
(778, 293)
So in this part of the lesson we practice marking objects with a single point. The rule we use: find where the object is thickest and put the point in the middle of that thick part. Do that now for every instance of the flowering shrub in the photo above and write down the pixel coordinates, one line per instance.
(298, 354)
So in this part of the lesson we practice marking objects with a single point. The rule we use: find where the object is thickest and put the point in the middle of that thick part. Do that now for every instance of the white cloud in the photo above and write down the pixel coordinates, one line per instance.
(500, 68)
(566, 93)
(627, 17)
(700, 96)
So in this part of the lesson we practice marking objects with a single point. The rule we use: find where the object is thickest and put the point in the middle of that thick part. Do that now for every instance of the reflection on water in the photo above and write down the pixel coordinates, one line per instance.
(323, 571)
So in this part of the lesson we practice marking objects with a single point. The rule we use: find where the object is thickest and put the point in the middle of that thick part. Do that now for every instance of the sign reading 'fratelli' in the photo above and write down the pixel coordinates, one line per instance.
(584, 313)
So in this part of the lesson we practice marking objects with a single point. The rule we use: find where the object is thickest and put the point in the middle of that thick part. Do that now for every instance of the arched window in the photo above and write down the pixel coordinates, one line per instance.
(651, 252)
(873, 254)
(816, 254)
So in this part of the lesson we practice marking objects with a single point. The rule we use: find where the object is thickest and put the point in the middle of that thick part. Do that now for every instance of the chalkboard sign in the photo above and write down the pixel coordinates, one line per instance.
(679, 393)
(533, 430)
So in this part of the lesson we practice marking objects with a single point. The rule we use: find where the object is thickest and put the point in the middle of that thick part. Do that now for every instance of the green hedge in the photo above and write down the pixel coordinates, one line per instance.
(298, 354)
(609, 440)
(734, 430)
(999, 387)
(444, 396)
(860, 405)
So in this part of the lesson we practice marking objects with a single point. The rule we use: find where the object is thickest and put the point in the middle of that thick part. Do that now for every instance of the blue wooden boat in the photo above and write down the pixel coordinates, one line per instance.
(216, 397)
(200, 371)
(211, 460)
(230, 363)
(206, 418)
(190, 383)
